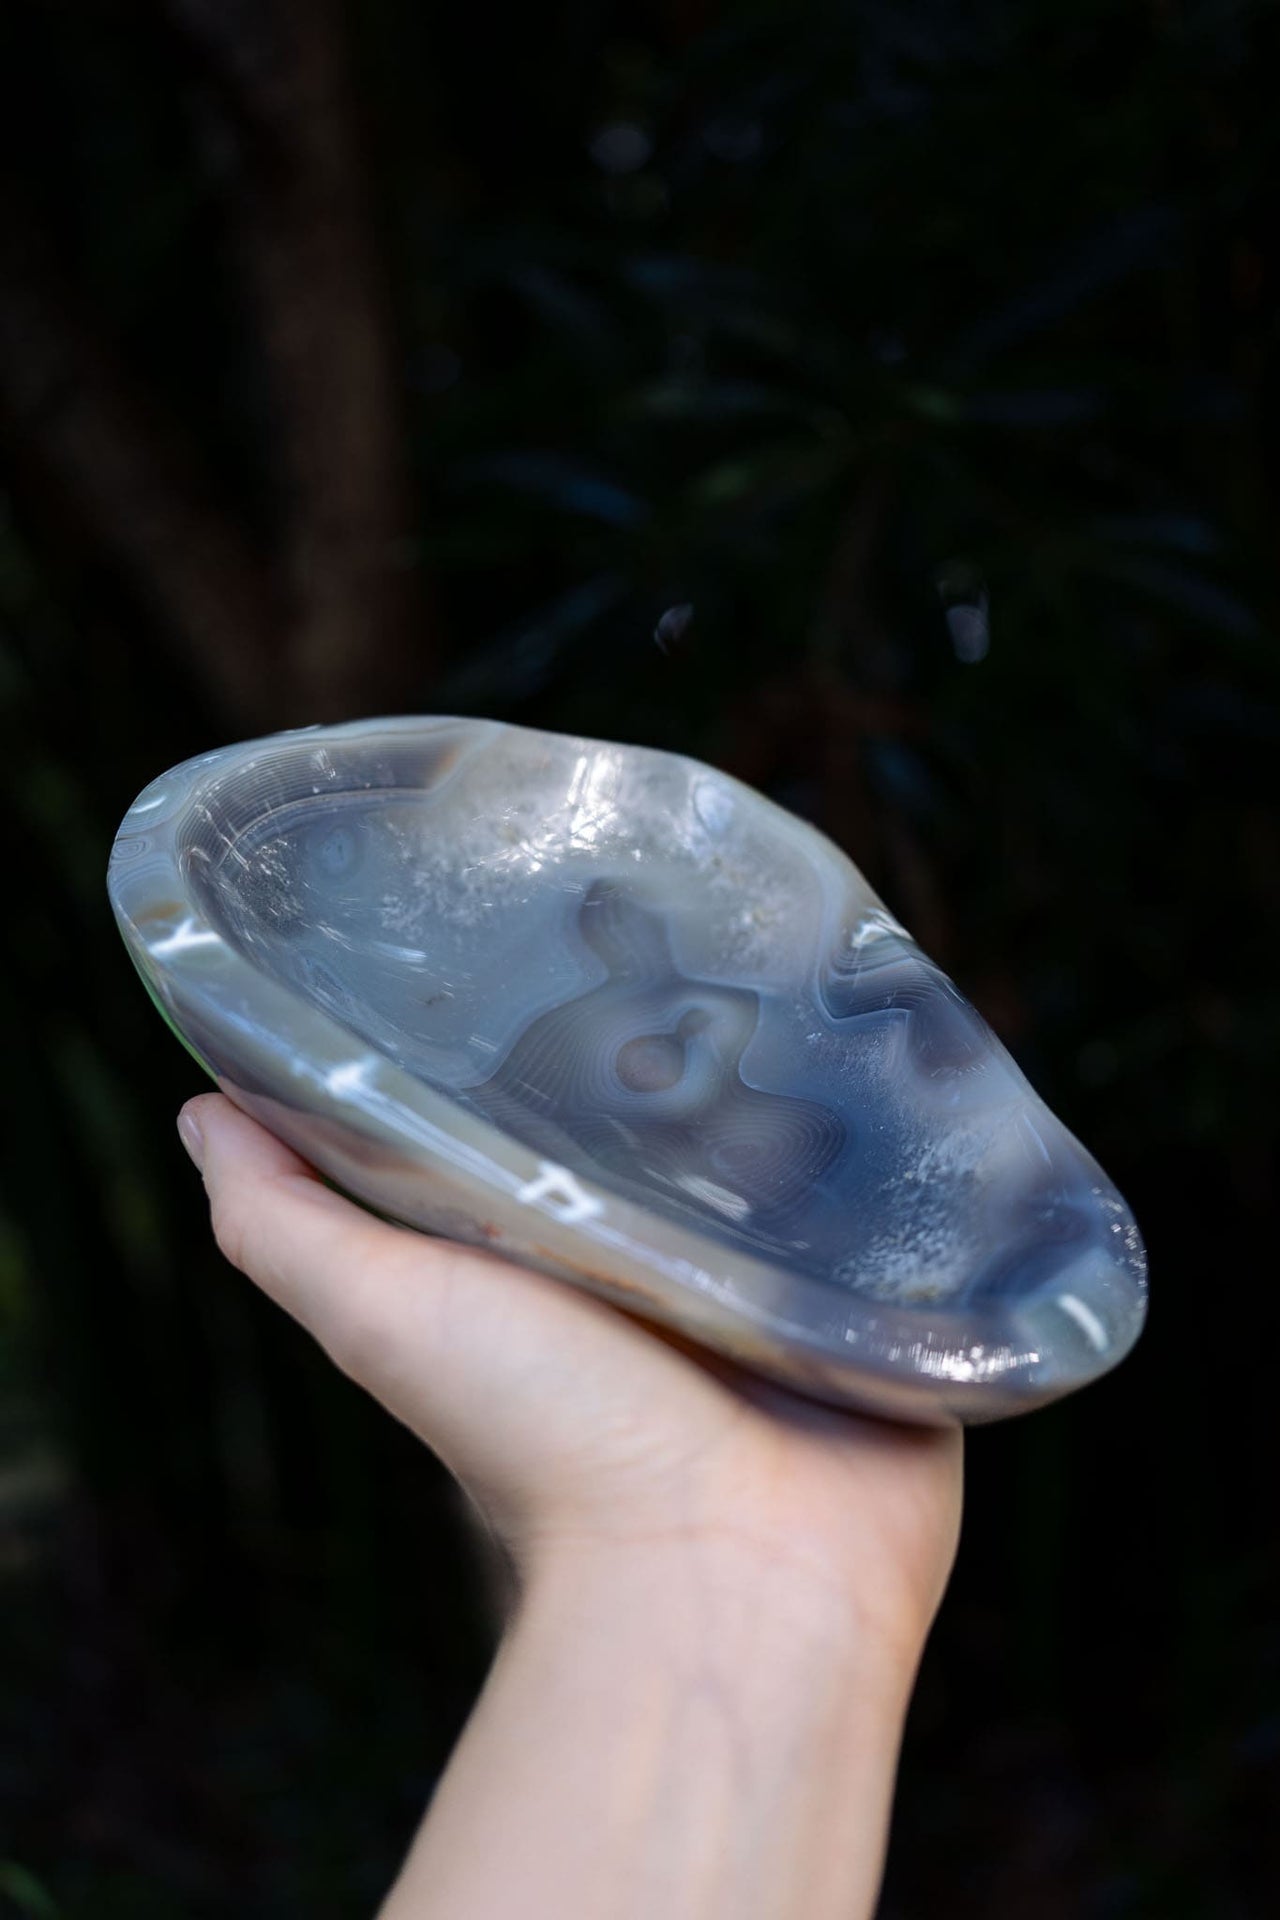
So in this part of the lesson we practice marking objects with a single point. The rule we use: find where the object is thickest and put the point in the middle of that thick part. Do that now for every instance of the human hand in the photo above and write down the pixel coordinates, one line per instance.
(568, 1422)
(702, 1508)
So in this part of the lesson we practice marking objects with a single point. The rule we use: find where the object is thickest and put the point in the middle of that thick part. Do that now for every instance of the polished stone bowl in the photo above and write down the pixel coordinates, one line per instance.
(621, 1018)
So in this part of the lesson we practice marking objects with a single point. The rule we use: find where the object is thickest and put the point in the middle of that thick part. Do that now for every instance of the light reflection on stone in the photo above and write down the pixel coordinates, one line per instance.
(641, 1028)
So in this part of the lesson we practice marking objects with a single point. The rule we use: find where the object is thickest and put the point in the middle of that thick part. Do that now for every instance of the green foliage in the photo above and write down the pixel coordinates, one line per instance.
(826, 321)
(25, 1892)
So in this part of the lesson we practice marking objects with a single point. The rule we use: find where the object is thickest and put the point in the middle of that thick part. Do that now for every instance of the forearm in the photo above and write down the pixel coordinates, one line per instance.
(676, 1730)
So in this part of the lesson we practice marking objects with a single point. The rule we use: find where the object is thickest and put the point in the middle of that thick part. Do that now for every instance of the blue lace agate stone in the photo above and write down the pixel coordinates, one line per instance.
(625, 1020)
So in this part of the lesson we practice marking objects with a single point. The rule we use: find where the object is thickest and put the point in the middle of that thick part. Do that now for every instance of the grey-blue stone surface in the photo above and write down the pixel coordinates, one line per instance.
(626, 1020)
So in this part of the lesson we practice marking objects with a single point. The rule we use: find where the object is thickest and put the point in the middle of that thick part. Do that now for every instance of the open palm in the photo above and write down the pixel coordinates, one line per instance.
(567, 1422)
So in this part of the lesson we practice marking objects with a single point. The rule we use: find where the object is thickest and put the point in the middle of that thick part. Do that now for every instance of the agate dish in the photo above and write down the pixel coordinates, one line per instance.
(624, 1020)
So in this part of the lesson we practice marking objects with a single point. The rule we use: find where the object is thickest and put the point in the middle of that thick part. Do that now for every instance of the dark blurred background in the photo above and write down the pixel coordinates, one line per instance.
(425, 358)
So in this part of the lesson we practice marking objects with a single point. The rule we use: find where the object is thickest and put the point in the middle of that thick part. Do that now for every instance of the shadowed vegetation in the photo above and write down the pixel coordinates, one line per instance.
(873, 399)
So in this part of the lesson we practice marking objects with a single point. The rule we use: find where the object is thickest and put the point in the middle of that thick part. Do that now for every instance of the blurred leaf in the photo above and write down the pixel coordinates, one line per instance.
(1131, 243)
(679, 399)
(561, 484)
(1034, 408)
(520, 663)
(767, 478)
(1191, 593)
(27, 1893)
(1186, 533)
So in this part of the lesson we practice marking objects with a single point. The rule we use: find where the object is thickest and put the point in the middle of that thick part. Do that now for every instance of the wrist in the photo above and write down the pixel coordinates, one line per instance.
(720, 1611)
(670, 1726)
(728, 1596)
(755, 1724)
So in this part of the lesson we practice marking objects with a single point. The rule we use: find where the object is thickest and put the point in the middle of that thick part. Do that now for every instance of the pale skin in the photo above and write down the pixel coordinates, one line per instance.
(722, 1591)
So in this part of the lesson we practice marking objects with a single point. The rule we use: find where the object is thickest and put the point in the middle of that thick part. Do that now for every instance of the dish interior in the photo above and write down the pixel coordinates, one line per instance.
(648, 975)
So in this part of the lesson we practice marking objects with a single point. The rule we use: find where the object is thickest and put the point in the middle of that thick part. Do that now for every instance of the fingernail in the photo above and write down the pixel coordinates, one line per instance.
(190, 1135)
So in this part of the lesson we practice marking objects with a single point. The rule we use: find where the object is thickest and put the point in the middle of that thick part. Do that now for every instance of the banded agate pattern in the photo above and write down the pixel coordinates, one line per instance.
(625, 1019)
